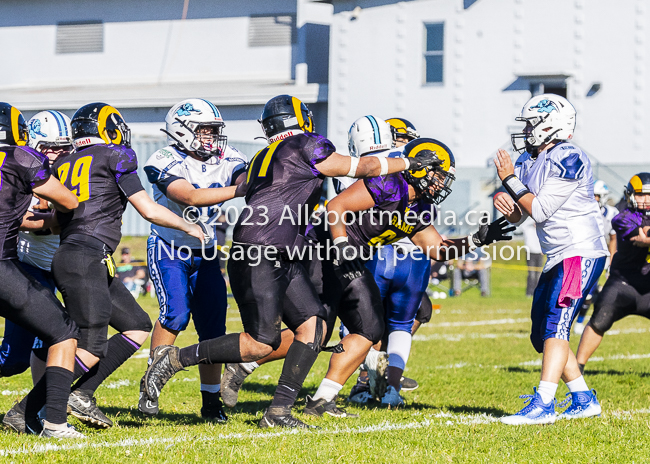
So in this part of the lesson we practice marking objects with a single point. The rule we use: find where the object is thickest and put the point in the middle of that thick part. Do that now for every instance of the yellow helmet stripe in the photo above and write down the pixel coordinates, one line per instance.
(15, 129)
(637, 184)
(398, 124)
(440, 152)
(104, 113)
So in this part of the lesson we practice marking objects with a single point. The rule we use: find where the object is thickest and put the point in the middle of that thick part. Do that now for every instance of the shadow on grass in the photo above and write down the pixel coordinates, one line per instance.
(135, 419)
(519, 369)
(476, 410)
(614, 372)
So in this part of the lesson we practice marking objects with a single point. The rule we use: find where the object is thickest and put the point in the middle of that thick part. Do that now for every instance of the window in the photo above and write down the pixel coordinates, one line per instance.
(80, 37)
(434, 42)
(273, 30)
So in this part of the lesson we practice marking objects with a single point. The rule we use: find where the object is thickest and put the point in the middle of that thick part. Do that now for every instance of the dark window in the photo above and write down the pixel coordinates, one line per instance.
(434, 42)
(80, 37)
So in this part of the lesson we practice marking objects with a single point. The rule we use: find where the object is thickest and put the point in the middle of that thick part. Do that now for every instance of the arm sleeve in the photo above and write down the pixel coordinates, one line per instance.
(124, 166)
(553, 194)
(162, 169)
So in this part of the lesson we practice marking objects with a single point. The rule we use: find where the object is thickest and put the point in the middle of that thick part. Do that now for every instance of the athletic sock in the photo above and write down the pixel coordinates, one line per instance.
(211, 388)
(328, 390)
(36, 398)
(299, 360)
(547, 391)
(577, 385)
(80, 368)
(224, 349)
(58, 391)
(120, 348)
(249, 367)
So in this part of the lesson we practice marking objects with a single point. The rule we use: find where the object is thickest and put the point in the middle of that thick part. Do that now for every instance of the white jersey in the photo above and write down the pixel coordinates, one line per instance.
(169, 164)
(37, 250)
(607, 213)
(565, 211)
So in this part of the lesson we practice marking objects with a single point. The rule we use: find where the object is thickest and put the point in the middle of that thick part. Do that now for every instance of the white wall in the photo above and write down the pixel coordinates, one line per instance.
(376, 66)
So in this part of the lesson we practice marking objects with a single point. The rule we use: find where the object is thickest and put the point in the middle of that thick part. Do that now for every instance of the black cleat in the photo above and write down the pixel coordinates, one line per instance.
(408, 384)
(145, 405)
(322, 406)
(212, 409)
(15, 420)
(165, 363)
(281, 417)
(231, 382)
(83, 405)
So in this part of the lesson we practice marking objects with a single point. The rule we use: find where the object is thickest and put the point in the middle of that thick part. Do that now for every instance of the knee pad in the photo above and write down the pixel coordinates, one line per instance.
(537, 342)
(425, 310)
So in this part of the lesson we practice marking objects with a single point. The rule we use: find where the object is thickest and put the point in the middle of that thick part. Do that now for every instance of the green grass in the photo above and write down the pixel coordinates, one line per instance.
(468, 376)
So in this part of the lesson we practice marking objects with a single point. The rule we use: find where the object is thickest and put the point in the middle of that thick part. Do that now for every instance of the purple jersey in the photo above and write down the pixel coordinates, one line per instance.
(630, 262)
(20, 169)
(283, 188)
(102, 177)
(392, 217)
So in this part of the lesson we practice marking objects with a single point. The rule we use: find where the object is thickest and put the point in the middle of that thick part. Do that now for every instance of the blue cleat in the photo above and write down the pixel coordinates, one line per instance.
(535, 412)
(583, 404)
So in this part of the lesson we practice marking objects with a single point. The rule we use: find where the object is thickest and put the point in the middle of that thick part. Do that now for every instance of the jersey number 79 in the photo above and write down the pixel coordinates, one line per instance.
(79, 182)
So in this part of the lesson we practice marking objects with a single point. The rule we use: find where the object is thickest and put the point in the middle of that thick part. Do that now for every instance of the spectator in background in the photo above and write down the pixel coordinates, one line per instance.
(535, 257)
(475, 265)
(133, 277)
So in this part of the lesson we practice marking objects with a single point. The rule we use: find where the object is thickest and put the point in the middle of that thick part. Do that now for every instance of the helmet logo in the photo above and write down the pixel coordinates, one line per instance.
(186, 110)
(35, 128)
(545, 106)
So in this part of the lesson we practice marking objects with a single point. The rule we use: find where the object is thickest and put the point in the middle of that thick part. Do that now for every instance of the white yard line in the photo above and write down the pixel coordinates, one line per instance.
(479, 323)
(456, 337)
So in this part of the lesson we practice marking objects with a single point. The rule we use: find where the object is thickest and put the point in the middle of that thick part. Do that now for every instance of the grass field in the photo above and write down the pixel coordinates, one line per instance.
(472, 361)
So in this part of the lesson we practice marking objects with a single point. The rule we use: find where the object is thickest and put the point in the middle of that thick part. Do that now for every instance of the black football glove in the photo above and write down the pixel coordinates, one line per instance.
(347, 265)
(423, 159)
(493, 232)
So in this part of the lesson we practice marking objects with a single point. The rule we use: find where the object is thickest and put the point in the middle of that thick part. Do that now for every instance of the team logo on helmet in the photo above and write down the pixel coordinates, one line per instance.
(544, 106)
(35, 128)
(186, 110)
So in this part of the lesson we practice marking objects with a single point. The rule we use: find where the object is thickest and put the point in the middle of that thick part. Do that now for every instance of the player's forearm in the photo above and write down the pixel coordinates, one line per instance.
(334, 217)
(373, 166)
(210, 196)
(525, 204)
(451, 248)
(38, 221)
(163, 217)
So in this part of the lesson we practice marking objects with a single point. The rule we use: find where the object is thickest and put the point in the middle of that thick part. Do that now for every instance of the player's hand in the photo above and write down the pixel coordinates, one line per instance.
(200, 232)
(423, 159)
(241, 189)
(494, 232)
(347, 265)
(642, 240)
(504, 203)
(503, 162)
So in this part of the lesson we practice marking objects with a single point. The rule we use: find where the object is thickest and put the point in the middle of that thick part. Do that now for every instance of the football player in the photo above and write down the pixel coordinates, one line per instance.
(552, 183)
(102, 174)
(347, 288)
(601, 193)
(23, 300)
(198, 169)
(50, 135)
(283, 185)
(627, 290)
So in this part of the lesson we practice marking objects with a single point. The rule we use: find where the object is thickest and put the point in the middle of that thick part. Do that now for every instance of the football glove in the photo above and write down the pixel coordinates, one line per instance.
(347, 265)
(426, 158)
(489, 233)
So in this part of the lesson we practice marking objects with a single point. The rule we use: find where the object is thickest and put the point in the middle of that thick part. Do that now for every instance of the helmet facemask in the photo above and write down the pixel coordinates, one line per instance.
(533, 136)
(207, 141)
(432, 184)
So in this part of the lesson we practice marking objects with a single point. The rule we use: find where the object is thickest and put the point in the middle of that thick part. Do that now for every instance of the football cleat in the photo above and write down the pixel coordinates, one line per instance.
(377, 363)
(392, 398)
(165, 363)
(535, 412)
(360, 393)
(212, 409)
(83, 405)
(231, 382)
(145, 405)
(60, 431)
(15, 420)
(583, 404)
(408, 384)
(322, 406)
(281, 417)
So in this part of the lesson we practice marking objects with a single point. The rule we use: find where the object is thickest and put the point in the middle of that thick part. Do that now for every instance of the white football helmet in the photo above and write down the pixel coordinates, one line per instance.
(187, 119)
(601, 189)
(548, 117)
(49, 129)
(368, 134)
